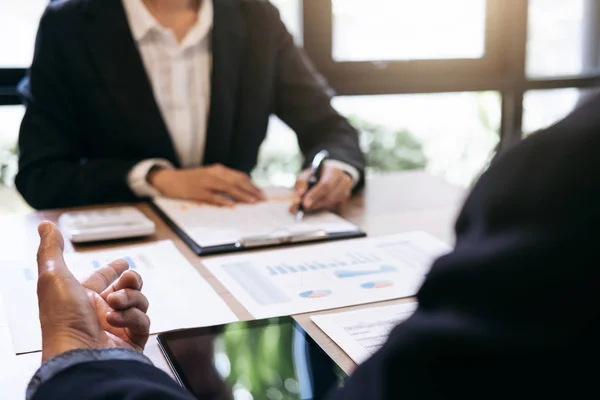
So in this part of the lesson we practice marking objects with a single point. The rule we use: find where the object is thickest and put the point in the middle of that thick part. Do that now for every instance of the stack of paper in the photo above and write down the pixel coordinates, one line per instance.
(361, 333)
(338, 274)
(179, 297)
(213, 226)
(15, 371)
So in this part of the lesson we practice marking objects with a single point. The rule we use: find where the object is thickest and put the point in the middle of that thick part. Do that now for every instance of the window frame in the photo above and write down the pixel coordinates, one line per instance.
(9, 81)
(501, 69)
(366, 77)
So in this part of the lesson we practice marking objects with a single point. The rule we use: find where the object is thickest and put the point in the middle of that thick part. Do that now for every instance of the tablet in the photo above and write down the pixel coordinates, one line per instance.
(259, 360)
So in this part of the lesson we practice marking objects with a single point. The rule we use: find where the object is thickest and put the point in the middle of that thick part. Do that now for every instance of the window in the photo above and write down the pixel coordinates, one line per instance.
(398, 66)
(279, 159)
(291, 14)
(18, 26)
(556, 38)
(452, 135)
(10, 120)
(545, 107)
(533, 57)
(382, 30)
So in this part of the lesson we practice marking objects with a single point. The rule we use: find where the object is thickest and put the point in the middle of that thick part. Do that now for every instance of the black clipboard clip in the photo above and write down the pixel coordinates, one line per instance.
(278, 239)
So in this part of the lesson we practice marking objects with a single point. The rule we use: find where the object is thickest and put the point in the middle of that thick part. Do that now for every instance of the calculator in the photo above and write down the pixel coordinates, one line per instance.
(105, 224)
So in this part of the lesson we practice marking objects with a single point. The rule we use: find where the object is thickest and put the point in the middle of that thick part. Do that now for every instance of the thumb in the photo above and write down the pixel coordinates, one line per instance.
(50, 252)
(67, 318)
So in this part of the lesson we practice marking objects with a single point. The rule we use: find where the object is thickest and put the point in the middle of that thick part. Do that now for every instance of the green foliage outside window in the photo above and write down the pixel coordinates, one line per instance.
(385, 150)
(8, 165)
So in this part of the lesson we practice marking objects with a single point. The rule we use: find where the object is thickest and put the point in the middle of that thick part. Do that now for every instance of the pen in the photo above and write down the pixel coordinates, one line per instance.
(315, 176)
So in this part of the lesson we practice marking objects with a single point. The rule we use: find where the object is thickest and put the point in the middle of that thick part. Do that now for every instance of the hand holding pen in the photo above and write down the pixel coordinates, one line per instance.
(323, 186)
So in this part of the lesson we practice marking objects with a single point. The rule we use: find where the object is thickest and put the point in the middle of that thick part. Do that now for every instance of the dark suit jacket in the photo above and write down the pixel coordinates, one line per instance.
(91, 114)
(513, 312)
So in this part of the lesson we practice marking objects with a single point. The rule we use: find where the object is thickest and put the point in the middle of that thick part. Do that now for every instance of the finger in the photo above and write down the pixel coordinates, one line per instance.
(243, 183)
(105, 277)
(302, 183)
(329, 181)
(216, 200)
(240, 195)
(133, 319)
(224, 178)
(128, 280)
(340, 193)
(128, 298)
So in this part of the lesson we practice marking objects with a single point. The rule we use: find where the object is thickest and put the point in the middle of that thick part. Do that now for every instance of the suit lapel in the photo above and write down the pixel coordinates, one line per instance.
(119, 63)
(228, 39)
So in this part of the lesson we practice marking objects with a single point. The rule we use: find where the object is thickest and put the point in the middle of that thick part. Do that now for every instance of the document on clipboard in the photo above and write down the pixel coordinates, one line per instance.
(213, 230)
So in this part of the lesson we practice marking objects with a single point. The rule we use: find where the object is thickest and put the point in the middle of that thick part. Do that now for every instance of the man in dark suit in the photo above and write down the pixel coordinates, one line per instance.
(511, 312)
(129, 99)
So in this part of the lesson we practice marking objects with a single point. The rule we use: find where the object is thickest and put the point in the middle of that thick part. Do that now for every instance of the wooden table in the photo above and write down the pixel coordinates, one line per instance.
(390, 204)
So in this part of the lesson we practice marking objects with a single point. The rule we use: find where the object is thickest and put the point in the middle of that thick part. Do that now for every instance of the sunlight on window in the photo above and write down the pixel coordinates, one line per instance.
(19, 20)
(555, 43)
(457, 131)
(10, 117)
(542, 108)
(291, 14)
(385, 30)
(452, 135)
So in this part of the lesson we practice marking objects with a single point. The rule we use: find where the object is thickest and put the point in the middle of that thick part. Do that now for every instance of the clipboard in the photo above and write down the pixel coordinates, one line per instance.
(279, 237)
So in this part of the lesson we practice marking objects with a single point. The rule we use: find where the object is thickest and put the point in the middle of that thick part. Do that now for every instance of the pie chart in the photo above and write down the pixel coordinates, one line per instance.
(377, 285)
(315, 294)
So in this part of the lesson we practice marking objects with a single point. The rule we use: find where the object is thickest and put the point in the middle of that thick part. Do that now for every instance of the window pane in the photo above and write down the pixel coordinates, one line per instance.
(10, 118)
(543, 108)
(452, 135)
(19, 21)
(279, 159)
(556, 43)
(385, 30)
(291, 14)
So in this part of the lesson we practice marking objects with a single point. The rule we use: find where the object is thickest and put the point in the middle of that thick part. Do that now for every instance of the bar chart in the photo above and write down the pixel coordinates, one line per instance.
(351, 259)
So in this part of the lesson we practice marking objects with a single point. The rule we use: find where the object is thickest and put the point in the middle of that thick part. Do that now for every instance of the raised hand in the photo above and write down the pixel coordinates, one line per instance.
(107, 310)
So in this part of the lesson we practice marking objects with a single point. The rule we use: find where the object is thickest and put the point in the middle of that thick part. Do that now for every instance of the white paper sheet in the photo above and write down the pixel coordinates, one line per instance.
(179, 297)
(6, 348)
(361, 333)
(336, 274)
(212, 226)
(15, 374)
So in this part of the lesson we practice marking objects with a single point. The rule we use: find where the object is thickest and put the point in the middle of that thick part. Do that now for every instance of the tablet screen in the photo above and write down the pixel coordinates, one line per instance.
(271, 359)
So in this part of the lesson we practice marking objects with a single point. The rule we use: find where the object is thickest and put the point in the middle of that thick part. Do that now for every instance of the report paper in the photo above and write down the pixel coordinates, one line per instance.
(361, 333)
(213, 226)
(15, 374)
(179, 297)
(324, 276)
(6, 348)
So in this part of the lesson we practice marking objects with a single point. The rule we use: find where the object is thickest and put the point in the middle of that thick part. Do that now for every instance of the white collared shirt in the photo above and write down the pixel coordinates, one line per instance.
(180, 74)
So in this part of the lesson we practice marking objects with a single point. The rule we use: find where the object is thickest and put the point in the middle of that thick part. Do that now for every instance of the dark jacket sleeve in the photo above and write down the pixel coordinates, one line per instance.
(123, 380)
(303, 101)
(513, 311)
(53, 169)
